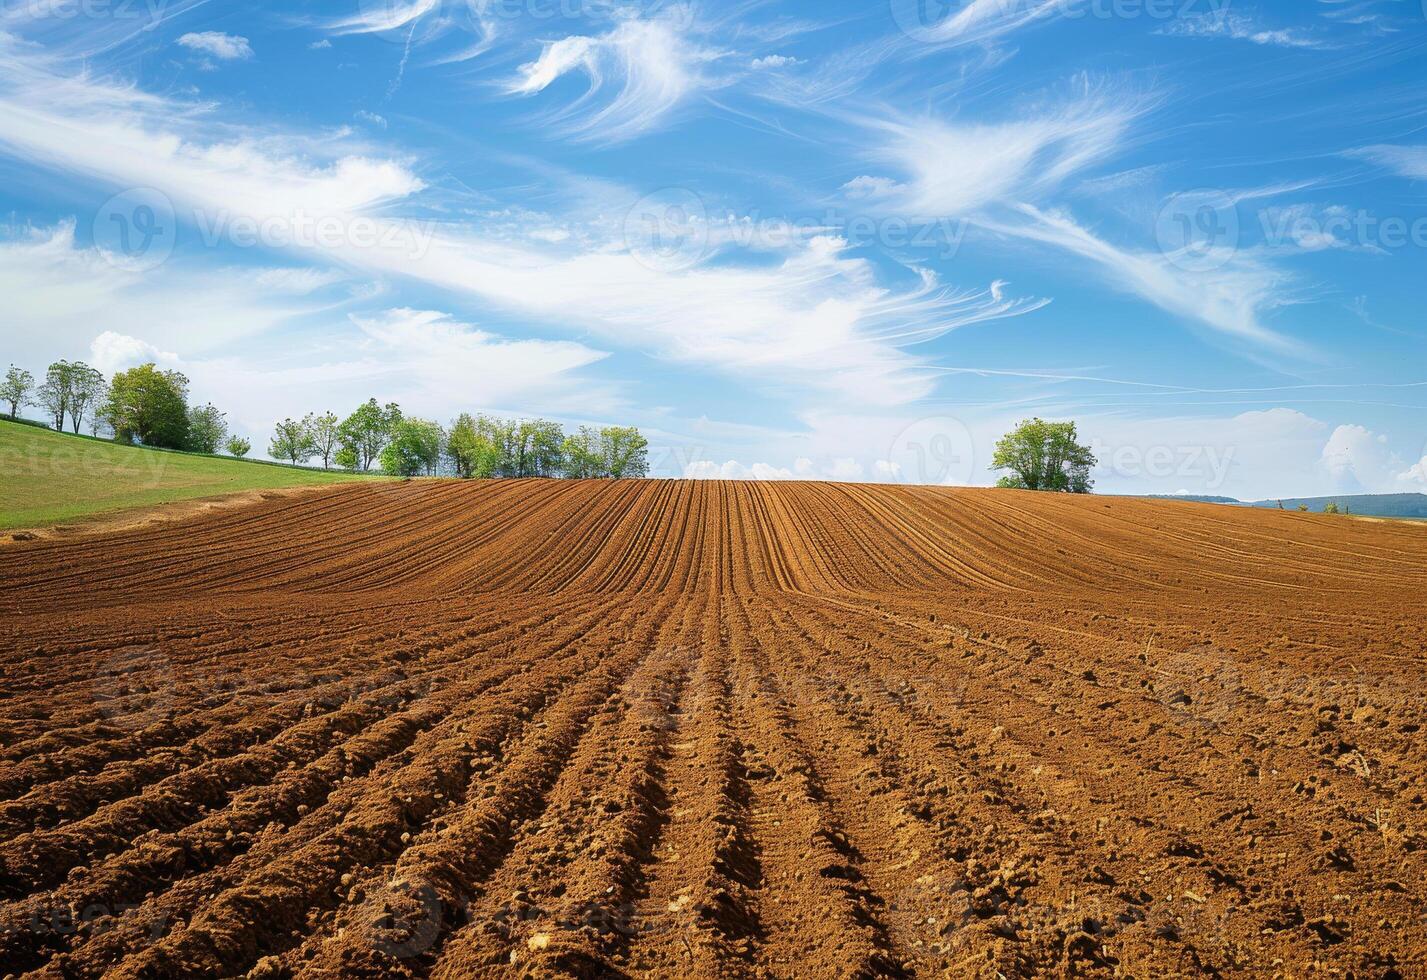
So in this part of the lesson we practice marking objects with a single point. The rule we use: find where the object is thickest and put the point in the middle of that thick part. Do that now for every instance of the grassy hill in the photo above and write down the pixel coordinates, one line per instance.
(48, 477)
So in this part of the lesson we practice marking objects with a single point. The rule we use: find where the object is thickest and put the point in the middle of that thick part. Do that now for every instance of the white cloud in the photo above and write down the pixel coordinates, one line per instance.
(371, 117)
(1357, 460)
(224, 47)
(863, 188)
(982, 21)
(1239, 27)
(844, 469)
(111, 352)
(1230, 299)
(773, 61)
(734, 470)
(57, 292)
(432, 364)
(651, 66)
(1415, 476)
(958, 168)
(321, 45)
(1405, 161)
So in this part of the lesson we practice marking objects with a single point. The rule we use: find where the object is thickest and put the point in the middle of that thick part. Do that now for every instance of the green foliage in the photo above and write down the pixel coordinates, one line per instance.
(1332, 508)
(207, 428)
(584, 458)
(291, 441)
(416, 446)
(237, 446)
(1044, 456)
(625, 452)
(324, 432)
(472, 450)
(17, 390)
(51, 478)
(1303, 508)
(365, 433)
(539, 446)
(70, 390)
(150, 406)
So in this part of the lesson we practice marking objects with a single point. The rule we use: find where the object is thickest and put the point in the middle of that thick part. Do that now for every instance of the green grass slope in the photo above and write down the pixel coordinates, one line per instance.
(47, 477)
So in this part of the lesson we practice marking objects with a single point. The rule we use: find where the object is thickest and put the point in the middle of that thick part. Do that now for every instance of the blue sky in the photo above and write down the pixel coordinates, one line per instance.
(786, 239)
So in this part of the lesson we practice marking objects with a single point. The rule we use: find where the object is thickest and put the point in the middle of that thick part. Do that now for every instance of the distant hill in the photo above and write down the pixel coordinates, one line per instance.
(1412, 505)
(1364, 505)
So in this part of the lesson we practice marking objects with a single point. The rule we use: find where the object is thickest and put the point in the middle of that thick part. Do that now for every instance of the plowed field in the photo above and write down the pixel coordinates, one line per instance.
(715, 729)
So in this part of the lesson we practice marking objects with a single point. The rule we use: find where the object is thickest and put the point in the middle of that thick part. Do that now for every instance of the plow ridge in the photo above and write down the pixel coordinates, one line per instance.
(659, 728)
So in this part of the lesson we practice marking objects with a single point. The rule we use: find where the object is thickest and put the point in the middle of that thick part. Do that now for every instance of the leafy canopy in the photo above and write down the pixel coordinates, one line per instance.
(1044, 456)
(150, 406)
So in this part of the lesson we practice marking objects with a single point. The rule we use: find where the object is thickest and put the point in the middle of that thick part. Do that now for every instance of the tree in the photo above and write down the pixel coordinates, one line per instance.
(1332, 508)
(291, 442)
(366, 432)
(325, 433)
(1044, 456)
(53, 395)
(149, 405)
(238, 447)
(17, 389)
(542, 446)
(625, 452)
(502, 434)
(584, 456)
(87, 391)
(207, 428)
(471, 451)
(415, 447)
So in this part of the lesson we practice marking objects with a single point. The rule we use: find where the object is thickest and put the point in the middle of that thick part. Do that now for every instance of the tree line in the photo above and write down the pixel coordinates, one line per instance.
(149, 406)
(479, 447)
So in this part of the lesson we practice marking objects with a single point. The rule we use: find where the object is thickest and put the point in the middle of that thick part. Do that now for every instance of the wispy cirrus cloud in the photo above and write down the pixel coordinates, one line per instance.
(1237, 26)
(952, 167)
(1404, 161)
(639, 73)
(815, 320)
(1229, 296)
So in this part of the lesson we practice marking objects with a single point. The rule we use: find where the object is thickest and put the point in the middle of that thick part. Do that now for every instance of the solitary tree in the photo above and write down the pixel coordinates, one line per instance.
(324, 431)
(1044, 456)
(17, 389)
(237, 446)
(625, 452)
(207, 428)
(149, 405)
(291, 442)
(1332, 508)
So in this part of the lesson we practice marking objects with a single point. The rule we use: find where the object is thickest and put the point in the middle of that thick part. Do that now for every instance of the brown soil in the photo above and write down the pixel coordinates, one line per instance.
(715, 729)
(132, 518)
